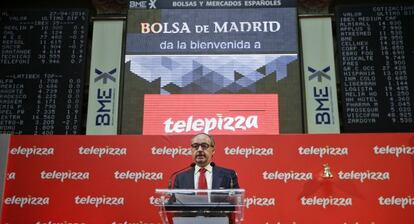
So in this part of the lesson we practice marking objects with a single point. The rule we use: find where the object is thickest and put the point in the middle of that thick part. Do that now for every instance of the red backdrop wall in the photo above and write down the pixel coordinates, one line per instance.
(112, 179)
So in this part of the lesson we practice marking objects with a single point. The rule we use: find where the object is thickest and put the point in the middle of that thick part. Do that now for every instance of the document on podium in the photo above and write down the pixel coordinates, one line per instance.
(201, 220)
(202, 199)
(192, 199)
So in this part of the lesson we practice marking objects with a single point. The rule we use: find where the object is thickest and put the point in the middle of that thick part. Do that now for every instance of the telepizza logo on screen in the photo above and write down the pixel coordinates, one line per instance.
(211, 113)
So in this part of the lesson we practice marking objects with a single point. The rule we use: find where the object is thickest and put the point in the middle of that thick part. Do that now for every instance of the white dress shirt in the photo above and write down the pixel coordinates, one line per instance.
(209, 176)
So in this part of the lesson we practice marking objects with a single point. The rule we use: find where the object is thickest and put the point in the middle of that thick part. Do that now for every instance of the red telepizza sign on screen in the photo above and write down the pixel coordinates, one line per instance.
(183, 114)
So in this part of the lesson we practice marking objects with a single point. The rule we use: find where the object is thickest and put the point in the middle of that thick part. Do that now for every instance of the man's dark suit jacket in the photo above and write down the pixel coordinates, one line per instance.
(222, 179)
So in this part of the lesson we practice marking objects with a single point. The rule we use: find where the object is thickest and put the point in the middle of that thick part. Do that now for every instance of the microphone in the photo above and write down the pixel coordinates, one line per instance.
(176, 172)
(212, 164)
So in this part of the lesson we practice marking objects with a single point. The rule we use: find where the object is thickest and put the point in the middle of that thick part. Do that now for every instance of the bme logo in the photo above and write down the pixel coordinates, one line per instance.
(322, 95)
(136, 4)
(104, 97)
(142, 4)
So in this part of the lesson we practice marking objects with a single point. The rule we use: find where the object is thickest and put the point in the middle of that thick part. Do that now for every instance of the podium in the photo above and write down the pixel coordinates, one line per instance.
(190, 206)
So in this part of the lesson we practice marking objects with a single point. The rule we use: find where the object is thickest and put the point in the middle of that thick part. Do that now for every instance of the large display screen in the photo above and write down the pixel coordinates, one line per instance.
(212, 47)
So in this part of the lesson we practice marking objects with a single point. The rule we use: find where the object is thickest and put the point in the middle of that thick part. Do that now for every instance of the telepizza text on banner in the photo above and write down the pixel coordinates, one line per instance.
(136, 176)
(262, 202)
(287, 176)
(396, 201)
(394, 150)
(208, 124)
(63, 175)
(99, 200)
(171, 151)
(325, 202)
(26, 201)
(363, 176)
(132, 222)
(323, 151)
(250, 151)
(102, 151)
(11, 176)
(237, 114)
(32, 151)
(157, 201)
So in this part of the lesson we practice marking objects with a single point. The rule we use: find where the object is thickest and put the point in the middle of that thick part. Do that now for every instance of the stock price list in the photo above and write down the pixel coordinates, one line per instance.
(42, 70)
(376, 58)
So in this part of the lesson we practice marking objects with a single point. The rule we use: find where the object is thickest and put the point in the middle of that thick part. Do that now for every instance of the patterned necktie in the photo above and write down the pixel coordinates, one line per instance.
(202, 182)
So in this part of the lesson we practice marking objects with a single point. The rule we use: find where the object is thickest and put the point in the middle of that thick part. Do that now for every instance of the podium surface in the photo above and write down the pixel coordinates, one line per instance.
(185, 206)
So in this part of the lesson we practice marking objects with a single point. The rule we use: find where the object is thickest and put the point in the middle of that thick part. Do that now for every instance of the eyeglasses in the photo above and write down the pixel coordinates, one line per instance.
(204, 146)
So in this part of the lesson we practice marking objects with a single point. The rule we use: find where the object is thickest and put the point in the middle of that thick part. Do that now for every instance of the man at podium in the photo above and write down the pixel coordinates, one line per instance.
(203, 173)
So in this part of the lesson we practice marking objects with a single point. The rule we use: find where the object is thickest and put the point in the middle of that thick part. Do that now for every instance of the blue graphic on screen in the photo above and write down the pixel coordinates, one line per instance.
(209, 73)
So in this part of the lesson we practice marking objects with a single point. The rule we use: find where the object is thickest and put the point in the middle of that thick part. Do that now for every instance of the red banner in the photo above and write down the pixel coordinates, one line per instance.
(112, 179)
(224, 114)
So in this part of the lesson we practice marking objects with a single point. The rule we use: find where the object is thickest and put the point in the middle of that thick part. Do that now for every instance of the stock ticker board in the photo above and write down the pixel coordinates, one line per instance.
(376, 55)
(42, 70)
